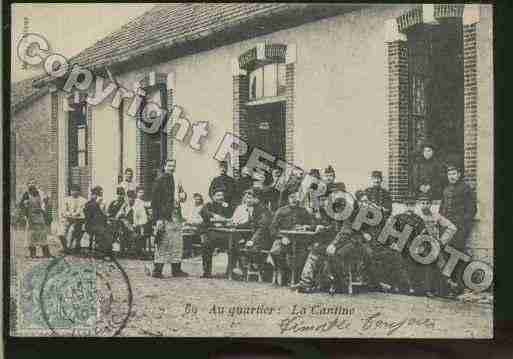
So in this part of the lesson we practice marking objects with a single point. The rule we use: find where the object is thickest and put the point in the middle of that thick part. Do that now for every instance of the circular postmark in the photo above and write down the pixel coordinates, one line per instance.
(83, 296)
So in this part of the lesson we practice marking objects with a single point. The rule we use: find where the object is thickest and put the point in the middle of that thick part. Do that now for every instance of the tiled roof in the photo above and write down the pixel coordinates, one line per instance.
(23, 92)
(165, 26)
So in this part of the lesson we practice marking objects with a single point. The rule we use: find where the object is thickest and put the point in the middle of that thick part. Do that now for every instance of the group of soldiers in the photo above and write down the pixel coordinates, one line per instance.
(267, 205)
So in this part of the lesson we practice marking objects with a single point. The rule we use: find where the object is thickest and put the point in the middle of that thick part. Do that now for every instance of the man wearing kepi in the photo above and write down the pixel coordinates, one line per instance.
(34, 206)
(427, 173)
(458, 206)
(169, 246)
(378, 195)
(227, 183)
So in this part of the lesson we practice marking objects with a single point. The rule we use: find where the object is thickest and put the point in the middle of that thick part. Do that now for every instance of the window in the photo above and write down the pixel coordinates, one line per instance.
(78, 136)
(267, 81)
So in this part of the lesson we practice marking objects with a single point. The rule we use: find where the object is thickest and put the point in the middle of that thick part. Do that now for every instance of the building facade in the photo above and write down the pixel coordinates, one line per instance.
(358, 87)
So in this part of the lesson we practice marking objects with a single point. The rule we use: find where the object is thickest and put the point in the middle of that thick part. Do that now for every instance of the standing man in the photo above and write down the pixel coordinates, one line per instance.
(458, 206)
(97, 222)
(244, 183)
(128, 183)
(225, 182)
(73, 217)
(169, 245)
(34, 206)
(427, 173)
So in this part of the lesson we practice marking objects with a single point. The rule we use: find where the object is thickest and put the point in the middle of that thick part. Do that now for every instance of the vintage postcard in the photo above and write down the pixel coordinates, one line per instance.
(251, 170)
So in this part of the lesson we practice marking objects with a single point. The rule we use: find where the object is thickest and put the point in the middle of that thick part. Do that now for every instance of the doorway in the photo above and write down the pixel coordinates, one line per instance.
(266, 129)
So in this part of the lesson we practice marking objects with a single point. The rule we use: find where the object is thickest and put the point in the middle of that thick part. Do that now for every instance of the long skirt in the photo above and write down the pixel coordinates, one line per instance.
(36, 235)
(169, 247)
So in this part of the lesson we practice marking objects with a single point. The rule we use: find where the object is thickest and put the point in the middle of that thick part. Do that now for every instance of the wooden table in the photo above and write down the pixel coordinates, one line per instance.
(230, 233)
(296, 236)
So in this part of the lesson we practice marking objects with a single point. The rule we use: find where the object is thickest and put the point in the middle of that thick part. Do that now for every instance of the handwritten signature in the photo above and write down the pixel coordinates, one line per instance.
(376, 321)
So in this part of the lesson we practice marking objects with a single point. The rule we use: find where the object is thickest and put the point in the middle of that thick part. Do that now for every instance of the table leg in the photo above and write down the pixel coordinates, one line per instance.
(230, 256)
(293, 271)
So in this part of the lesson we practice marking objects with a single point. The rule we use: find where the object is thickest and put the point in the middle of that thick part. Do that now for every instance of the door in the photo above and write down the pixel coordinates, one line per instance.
(266, 129)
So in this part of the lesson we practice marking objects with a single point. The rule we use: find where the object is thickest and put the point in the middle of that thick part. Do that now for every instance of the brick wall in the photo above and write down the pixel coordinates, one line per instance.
(240, 113)
(35, 152)
(290, 80)
(398, 98)
(470, 100)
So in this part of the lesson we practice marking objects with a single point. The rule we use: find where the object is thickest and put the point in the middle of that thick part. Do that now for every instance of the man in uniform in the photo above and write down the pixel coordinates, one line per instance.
(427, 173)
(458, 206)
(34, 206)
(378, 195)
(329, 227)
(286, 218)
(442, 230)
(97, 222)
(227, 183)
(217, 211)
(244, 183)
(253, 215)
(169, 244)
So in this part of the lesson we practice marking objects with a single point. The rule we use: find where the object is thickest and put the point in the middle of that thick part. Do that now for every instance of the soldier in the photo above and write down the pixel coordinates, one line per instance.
(227, 183)
(458, 206)
(427, 173)
(286, 218)
(217, 211)
(329, 227)
(404, 272)
(252, 214)
(244, 183)
(377, 194)
(169, 244)
(34, 206)
(97, 222)
(434, 222)
(73, 217)
(271, 191)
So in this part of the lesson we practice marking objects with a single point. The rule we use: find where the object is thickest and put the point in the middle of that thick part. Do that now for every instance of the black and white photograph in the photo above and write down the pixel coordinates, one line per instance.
(302, 170)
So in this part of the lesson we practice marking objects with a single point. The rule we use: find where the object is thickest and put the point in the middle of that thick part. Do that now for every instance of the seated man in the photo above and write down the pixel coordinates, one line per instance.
(350, 251)
(435, 282)
(251, 214)
(96, 221)
(414, 270)
(215, 212)
(73, 218)
(286, 218)
(133, 217)
(328, 227)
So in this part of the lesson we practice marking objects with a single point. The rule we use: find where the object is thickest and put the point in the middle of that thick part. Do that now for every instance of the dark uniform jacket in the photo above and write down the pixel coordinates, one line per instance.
(95, 217)
(260, 221)
(242, 184)
(209, 210)
(227, 184)
(459, 206)
(163, 198)
(428, 172)
(114, 207)
(380, 197)
(287, 217)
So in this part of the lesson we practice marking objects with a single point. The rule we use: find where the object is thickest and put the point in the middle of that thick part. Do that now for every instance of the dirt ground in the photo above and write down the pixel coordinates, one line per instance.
(218, 307)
